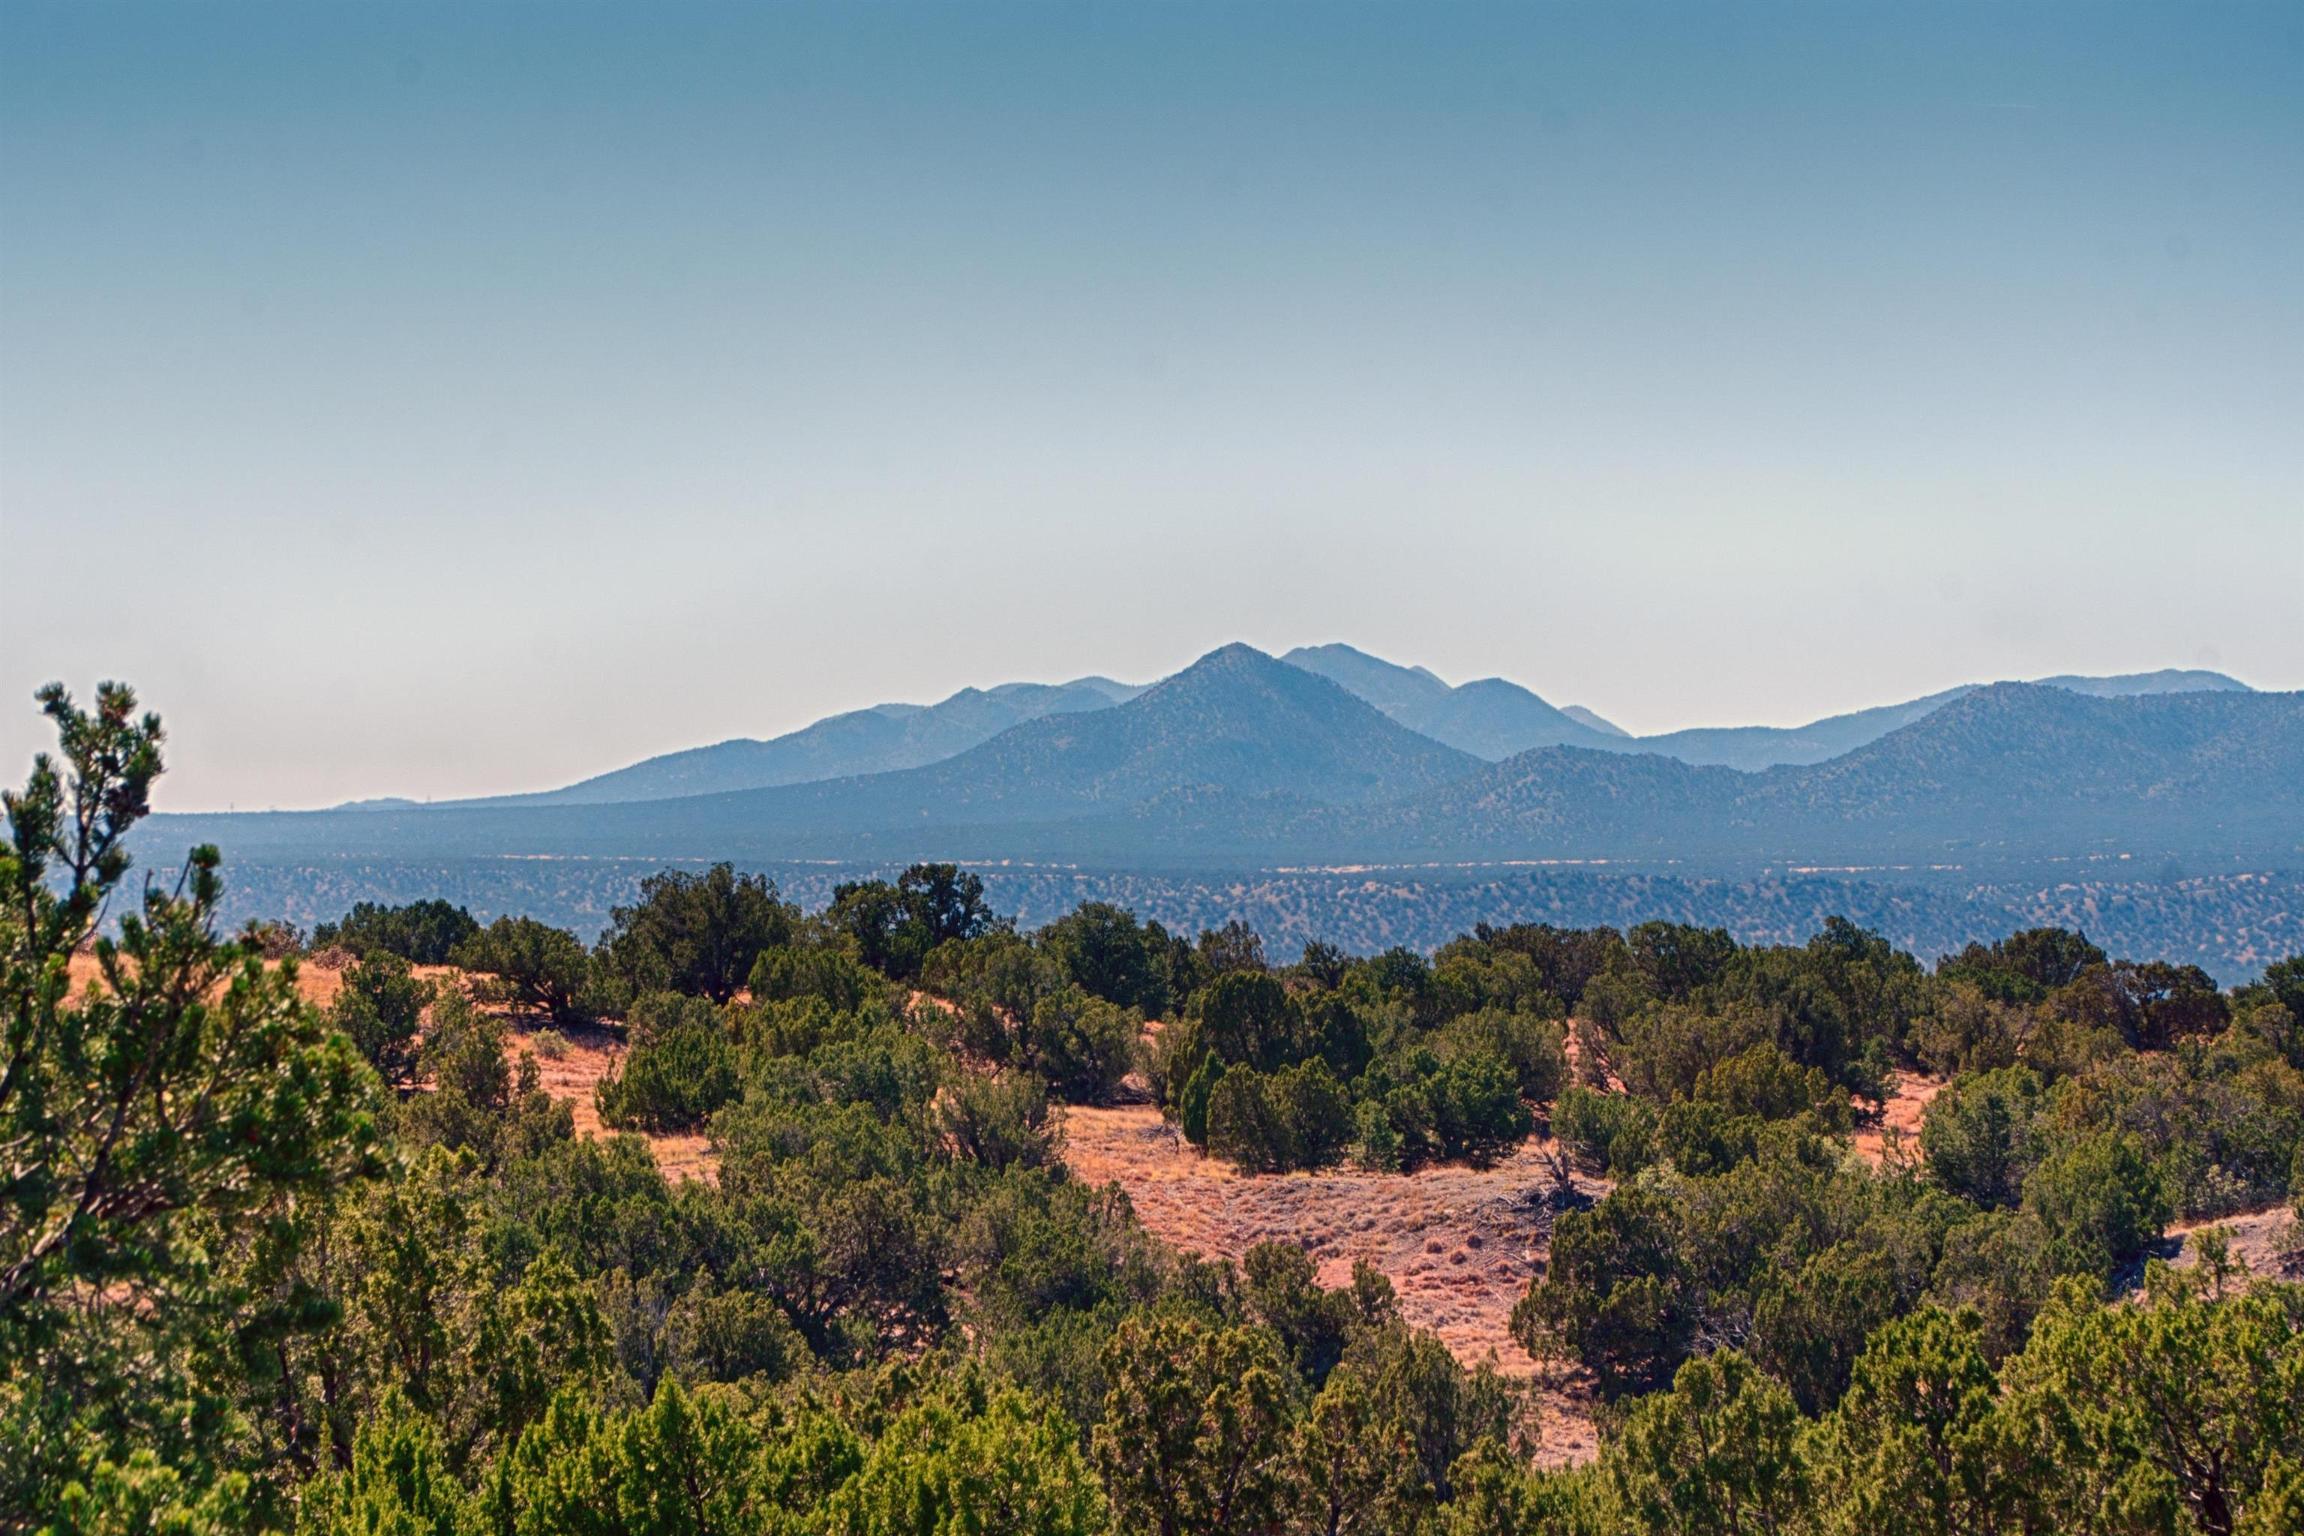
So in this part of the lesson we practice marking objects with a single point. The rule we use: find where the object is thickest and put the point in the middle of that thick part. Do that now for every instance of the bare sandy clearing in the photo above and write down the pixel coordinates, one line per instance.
(1459, 1244)
(572, 1069)
(2259, 1240)
(1908, 1098)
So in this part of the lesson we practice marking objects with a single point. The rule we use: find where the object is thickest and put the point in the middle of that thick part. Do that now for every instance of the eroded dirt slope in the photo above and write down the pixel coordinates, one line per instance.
(1459, 1244)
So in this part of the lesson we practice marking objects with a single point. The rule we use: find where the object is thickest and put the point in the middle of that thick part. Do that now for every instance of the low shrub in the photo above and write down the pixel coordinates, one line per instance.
(1244, 1123)
(422, 932)
(1612, 1134)
(1298, 1117)
(999, 1120)
(1376, 1145)
(532, 965)
(659, 1013)
(1534, 1048)
(277, 938)
(380, 1008)
(1476, 1108)
(1082, 1045)
(671, 1081)
(789, 973)
(2100, 1202)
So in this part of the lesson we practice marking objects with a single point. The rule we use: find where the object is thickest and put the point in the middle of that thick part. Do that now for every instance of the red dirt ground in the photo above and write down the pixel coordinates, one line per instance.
(569, 1073)
(574, 1070)
(1908, 1097)
(569, 1066)
(1459, 1244)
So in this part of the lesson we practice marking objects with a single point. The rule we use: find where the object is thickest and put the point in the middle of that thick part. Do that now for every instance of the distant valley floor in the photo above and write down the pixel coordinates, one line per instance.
(2230, 924)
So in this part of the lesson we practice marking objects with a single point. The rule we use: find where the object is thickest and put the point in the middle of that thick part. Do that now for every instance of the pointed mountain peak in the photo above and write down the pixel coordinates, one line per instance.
(1238, 653)
(1233, 662)
(1235, 671)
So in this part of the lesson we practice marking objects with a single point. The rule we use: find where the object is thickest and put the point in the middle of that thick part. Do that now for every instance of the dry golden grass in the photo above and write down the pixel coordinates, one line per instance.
(573, 1073)
(315, 984)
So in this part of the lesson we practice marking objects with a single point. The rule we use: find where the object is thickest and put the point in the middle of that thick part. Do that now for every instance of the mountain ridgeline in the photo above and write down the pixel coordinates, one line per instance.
(876, 740)
(1488, 718)
(1248, 760)
(1496, 719)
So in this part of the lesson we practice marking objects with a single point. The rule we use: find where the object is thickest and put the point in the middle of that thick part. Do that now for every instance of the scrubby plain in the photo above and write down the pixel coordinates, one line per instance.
(889, 1216)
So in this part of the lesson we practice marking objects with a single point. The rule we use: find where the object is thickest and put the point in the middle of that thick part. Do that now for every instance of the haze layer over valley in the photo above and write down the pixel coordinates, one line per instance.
(2168, 802)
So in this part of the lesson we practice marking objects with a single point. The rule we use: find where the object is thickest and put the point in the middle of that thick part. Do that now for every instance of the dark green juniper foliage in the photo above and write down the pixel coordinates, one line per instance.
(534, 967)
(380, 1009)
(894, 927)
(422, 932)
(245, 1288)
(696, 934)
(162, 1130)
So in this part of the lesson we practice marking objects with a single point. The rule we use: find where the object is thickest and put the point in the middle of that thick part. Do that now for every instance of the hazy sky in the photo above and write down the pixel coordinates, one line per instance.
(446, 399)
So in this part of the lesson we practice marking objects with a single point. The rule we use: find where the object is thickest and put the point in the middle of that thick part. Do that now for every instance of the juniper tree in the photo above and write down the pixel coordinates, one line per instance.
(159, 1105)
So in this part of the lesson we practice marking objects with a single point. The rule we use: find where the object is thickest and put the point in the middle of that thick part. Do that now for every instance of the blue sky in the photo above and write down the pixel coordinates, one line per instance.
(446, 399)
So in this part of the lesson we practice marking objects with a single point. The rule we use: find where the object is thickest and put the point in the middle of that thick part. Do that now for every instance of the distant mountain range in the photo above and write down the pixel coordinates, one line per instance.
(1245, 759)
(1496, 719)
(1488, 718)
(2013, 769)
(876, 740)
(1583, 716)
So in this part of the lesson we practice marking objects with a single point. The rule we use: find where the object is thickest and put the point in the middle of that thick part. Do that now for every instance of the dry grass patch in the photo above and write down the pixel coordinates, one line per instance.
(569, 1067)
(2260, 1241)
(317, 985)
